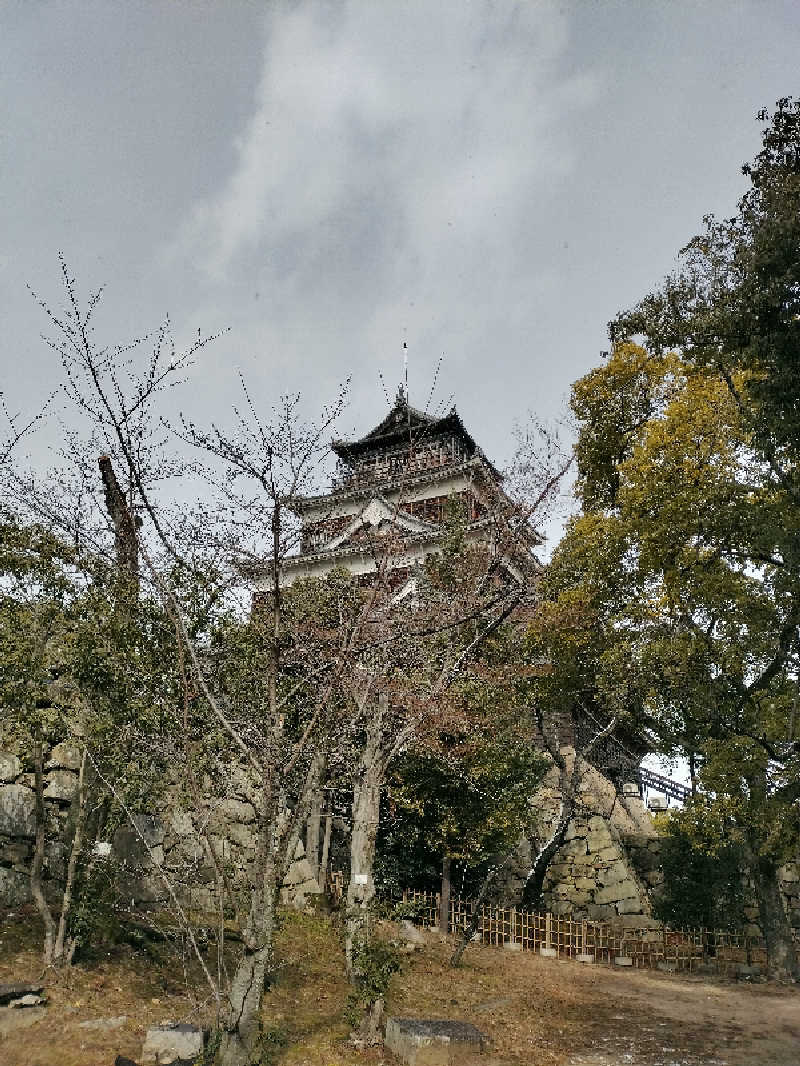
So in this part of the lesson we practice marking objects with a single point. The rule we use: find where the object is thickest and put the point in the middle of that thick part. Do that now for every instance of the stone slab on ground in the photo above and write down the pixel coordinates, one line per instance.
(411, 933)
(548, 953)
(433, 1041)
(623, 960)
(16, 991)
(28, 1000)
(170, 1043)
(104, 1025)
(11, 1021)
(584, 957)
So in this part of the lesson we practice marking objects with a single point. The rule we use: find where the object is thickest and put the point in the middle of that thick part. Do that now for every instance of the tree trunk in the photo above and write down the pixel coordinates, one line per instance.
(366, 811)
(313, 828)
(568, 785)
(242, 1029)
(534, 884)
(775, 925)
(326, 848)
(444, 897)
(64, 951)
(126, 535)
(240, 1041)
(471, 927)
(38, 859)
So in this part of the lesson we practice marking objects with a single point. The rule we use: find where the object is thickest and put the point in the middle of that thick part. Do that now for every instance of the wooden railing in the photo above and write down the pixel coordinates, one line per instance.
(661, 947)
(651, 948)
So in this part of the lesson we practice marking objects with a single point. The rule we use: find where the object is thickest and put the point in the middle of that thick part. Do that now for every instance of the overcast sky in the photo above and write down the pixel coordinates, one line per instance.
(488, 181)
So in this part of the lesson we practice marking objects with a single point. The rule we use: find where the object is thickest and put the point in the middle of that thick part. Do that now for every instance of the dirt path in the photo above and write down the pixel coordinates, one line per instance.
(645, 1019)
(537, 1012)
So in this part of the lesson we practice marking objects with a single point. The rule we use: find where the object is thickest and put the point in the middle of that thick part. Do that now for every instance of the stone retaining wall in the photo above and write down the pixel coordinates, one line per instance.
(608, 868)
(591, 875)
(176, 844)
(18, 823)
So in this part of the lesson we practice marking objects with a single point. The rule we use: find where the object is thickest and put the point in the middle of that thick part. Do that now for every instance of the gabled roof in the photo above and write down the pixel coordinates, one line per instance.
(381, 516)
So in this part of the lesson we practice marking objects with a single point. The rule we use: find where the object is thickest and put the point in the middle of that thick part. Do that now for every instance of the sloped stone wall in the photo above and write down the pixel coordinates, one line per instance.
(591, 875)
(175, 843)
(18, 824)
(608, 868)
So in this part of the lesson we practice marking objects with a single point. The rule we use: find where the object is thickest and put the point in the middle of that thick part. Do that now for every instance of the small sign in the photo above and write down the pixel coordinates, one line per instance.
(361, 879)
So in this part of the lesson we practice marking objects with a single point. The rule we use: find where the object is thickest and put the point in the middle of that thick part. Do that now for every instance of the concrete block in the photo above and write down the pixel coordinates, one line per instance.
(433, 1042)
(623, 960)
(512, 945)
(548, 953)
(9, 993)
(65, 756)
(61, 785)
(10, 766)
(166, 1043)
(584, 957)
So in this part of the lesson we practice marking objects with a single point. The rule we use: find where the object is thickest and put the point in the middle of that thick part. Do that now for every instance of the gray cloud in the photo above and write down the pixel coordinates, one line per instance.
(489, 181)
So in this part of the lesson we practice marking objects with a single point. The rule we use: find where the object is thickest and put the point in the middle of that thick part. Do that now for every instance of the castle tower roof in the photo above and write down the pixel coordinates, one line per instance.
(407, 425)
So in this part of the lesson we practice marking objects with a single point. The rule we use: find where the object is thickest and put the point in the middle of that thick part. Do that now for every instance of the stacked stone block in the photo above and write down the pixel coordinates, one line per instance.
(18, 822)
(607, 869)
(174, 842)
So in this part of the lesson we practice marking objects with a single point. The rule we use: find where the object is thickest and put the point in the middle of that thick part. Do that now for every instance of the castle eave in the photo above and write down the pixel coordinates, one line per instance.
(367, 489)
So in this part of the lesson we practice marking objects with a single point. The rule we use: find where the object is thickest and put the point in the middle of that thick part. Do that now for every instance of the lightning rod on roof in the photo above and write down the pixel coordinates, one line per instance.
(405, 376)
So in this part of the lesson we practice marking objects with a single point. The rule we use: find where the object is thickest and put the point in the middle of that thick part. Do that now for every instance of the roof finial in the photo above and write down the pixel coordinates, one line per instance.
(405, 365)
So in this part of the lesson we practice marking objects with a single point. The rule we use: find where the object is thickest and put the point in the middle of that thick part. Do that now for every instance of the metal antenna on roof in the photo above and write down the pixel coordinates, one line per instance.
(405, 375)
(433, 386)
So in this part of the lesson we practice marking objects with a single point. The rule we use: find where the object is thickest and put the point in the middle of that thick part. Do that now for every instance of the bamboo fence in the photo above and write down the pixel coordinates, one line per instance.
(688, 950)
(661, 947)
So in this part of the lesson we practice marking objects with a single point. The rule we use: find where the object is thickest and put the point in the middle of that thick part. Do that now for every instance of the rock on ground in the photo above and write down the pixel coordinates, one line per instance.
(169, 1043)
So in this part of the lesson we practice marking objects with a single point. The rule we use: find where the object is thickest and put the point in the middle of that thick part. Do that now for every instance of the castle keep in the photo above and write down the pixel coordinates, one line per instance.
(398, 481)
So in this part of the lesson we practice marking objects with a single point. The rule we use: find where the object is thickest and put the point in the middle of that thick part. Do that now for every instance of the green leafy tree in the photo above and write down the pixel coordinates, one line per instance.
(703, 884)
(691, 522)
(75, 668)
(725, 482)
(465, 799)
